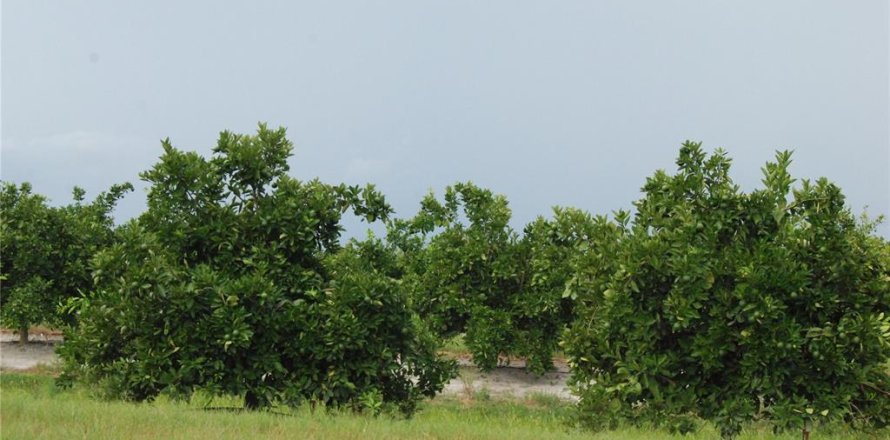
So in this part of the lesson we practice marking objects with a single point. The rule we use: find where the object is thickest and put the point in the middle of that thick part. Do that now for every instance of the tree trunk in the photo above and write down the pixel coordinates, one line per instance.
(23, 335)
(251, 401)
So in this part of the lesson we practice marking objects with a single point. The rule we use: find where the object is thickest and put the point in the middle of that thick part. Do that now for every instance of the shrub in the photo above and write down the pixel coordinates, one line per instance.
(234, 282)
(734, 306)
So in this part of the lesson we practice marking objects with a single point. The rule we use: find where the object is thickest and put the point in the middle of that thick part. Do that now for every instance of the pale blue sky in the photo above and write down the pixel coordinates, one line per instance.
(549, 102)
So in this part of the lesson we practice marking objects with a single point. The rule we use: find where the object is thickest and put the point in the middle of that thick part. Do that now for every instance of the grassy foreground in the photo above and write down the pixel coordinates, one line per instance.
(32, 408)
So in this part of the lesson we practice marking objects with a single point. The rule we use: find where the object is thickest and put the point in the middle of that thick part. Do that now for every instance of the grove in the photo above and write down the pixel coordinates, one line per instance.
(704, 302)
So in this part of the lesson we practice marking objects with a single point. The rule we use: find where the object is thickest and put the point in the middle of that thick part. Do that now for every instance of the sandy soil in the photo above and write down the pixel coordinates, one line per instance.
(39, 350)
(15, 357)
(513, 381)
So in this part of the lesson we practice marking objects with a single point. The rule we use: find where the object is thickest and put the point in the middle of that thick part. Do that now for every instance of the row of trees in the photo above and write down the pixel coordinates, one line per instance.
(707, 301)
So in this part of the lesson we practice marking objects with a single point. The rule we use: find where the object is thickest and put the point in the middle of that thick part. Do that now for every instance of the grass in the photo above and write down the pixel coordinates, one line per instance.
(456, 348)
(31, 407)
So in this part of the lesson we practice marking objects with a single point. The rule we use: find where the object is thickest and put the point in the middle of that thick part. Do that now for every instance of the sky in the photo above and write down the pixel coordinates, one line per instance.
(570, 103)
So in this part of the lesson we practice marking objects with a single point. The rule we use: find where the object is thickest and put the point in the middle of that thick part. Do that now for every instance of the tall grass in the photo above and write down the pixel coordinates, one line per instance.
(32, 408)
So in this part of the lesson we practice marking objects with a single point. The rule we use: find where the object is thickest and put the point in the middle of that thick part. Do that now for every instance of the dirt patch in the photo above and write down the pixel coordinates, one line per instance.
(15, 356)
(510, 381)
(40, 349)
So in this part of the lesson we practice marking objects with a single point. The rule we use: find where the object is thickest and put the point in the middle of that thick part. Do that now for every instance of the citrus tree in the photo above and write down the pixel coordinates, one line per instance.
(552, 250)
(471, 274)
(234, 282)
(462, 262)
(735, 306)
(44, 252)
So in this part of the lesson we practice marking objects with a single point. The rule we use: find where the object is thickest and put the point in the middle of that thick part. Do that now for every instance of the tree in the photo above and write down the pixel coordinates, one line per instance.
(234, 282)
(462, 263)
(552, 251)
(45, 250)
(734, 306)
(471, 273)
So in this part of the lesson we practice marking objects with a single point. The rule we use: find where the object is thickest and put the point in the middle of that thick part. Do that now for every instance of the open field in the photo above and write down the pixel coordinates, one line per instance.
(32, 408)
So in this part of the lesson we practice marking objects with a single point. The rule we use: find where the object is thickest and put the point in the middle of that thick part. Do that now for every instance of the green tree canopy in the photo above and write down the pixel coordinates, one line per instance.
(552, 250)
(44, 252)
(234, 281)
(773, 304)
(462, 263)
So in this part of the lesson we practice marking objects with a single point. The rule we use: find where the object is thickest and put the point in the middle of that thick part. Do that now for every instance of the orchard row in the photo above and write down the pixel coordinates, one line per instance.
(705, 302)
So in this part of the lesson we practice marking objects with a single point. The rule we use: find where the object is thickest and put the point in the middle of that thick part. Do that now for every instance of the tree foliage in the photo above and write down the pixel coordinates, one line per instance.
(234, 282)
(44, 251)
(707, 302)
(471, 273)
(773, 304)
(461, 259)
(552, 249)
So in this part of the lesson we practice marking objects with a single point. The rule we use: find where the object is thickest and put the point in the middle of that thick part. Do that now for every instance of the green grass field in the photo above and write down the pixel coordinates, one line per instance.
(31, 407)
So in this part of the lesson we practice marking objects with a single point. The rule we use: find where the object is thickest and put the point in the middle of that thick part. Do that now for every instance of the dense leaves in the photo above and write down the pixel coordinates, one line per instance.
(732, 306)
(461, 262)
(471, 273)
(234, 281)
(44, 252)
(552, 250)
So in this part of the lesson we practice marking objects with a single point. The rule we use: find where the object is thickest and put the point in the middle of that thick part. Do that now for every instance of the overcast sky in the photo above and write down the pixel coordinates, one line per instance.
(550, 102)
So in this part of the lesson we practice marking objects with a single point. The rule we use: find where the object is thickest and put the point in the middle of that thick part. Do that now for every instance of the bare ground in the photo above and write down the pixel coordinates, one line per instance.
(14, 356)
(510, 382)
